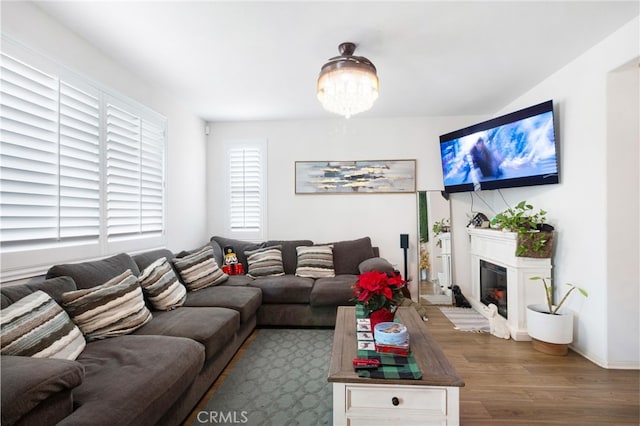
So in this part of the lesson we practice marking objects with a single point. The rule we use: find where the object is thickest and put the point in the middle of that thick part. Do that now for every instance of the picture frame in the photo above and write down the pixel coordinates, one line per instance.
(355, 177)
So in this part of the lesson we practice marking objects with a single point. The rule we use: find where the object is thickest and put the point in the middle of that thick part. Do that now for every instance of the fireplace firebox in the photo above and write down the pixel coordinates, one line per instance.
(493, 286)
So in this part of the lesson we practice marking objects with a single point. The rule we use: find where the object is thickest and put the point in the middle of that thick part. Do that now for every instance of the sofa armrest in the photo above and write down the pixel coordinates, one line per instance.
(27, 382)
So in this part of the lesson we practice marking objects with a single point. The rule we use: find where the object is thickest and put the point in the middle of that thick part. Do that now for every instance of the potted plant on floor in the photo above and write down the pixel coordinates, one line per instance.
(424, 263)
(550, 326)
(535, 237)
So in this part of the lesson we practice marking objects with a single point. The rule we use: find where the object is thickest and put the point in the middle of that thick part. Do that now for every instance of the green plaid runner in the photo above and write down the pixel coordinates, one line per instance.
(408, 367)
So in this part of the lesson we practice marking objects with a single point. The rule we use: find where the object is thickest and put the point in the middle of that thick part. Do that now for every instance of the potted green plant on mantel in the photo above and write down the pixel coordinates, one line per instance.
(550, 326)
(535, 237)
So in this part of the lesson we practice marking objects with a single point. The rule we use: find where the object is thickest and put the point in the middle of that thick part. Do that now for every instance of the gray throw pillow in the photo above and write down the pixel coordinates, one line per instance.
(376, 264)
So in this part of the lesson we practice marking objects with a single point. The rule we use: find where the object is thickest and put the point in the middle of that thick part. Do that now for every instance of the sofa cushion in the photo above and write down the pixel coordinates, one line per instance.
(53, 287)
(284, 289)
(239, 248)
(161, 286)
(91, 274)
(37, 326)
(347, 255)
(315, 262)
(218, 254)
(212, 327)
(245, 300)
(289, 252)
(199, 270)
(28, 383)
(265, 262)
(334, 291)
(376, 264)
(133, 380)
(143, 260)
(112, 309)
(238, 281)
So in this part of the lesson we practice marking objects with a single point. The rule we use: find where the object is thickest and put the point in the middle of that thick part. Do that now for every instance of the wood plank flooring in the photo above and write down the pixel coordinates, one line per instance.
(509, 383)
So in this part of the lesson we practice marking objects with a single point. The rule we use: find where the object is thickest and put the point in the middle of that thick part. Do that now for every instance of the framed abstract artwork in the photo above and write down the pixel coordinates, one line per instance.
(355, 177)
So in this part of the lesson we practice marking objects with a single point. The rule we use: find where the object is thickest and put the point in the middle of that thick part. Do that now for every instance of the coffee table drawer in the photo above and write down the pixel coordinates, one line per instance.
(426, 400)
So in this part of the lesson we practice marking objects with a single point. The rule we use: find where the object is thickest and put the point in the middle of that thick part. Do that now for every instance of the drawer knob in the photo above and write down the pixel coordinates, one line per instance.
(395, 401)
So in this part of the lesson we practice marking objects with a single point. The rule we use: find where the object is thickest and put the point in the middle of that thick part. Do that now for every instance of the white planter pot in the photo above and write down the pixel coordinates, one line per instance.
(541, 325)
(423, 275)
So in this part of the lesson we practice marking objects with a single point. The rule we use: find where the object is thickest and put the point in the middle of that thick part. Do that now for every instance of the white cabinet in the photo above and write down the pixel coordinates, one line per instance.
(372, 404)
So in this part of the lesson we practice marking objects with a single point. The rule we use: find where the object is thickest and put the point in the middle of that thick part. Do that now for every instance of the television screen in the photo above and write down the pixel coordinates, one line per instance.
(517, 149)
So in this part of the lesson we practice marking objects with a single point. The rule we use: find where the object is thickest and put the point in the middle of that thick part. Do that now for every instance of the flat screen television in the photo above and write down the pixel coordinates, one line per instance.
(516, 149)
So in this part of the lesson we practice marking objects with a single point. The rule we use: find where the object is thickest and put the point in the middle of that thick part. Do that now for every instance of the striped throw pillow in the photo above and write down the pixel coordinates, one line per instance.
(315, 262)
(265, 262)
(112, 309)
(199, 270)
(37, 326)
(161, 286)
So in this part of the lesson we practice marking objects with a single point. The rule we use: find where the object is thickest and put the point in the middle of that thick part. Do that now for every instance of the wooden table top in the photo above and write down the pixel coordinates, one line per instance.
(435, 367)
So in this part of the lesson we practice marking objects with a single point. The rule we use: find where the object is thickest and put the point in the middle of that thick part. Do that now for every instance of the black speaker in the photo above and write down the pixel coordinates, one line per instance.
(404, 241)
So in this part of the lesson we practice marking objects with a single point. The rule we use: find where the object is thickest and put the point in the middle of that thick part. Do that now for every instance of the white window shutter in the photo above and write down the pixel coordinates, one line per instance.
(123, 172)
(79, 163)
(28, 154)
(246, 188)
(152, 178)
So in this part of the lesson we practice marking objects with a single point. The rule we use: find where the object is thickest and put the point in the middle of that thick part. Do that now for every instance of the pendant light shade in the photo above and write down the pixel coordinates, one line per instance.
(347, 84)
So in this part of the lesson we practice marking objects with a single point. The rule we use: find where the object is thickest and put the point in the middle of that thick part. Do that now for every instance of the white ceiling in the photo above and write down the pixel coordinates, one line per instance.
(260, 60)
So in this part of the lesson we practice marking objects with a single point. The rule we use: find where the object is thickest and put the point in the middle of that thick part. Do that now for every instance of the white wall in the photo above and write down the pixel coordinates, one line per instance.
(623, 215)
(333, 217)
(596, 201)
(186, 216)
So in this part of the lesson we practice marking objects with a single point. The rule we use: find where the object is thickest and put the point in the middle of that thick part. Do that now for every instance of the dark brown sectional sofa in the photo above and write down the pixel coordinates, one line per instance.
(158, 373)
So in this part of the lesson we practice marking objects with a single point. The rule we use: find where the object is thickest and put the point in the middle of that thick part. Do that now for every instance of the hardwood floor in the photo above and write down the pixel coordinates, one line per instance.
(509, 383)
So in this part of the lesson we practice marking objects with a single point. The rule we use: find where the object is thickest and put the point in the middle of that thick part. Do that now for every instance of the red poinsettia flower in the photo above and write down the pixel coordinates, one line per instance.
(376, 290)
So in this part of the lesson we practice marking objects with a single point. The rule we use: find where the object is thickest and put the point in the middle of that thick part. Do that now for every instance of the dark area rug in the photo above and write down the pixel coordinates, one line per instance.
(281, 379)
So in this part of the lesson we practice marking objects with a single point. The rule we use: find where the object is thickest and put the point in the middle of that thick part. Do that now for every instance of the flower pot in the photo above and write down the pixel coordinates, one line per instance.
(381, 315)
(527, 244)
(555, 330)
(423, 275)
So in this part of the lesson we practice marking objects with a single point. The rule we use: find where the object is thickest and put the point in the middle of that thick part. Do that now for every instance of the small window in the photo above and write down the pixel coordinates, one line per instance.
(246, 171)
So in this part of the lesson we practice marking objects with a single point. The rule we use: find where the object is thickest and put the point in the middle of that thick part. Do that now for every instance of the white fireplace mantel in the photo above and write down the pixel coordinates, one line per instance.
(499, 248)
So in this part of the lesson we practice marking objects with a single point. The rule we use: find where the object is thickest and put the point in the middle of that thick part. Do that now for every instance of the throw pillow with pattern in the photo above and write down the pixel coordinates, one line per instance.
(112, 309)
(265, 262)
(37, 326)
(315, 262)
(199, 270)
(161, 286)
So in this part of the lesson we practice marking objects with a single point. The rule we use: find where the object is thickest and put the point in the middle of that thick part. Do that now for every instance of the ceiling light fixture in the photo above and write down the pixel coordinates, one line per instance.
(347, 84)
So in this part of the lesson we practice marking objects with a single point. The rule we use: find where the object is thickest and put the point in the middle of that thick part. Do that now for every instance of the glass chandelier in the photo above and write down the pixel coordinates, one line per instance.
(347, 84)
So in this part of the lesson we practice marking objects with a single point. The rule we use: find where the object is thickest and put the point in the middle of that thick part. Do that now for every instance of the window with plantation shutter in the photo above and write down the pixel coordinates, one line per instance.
(79, 163)
(246, 188)
(49, 159)
(135, 174)
(152, 178)
(80, 167)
